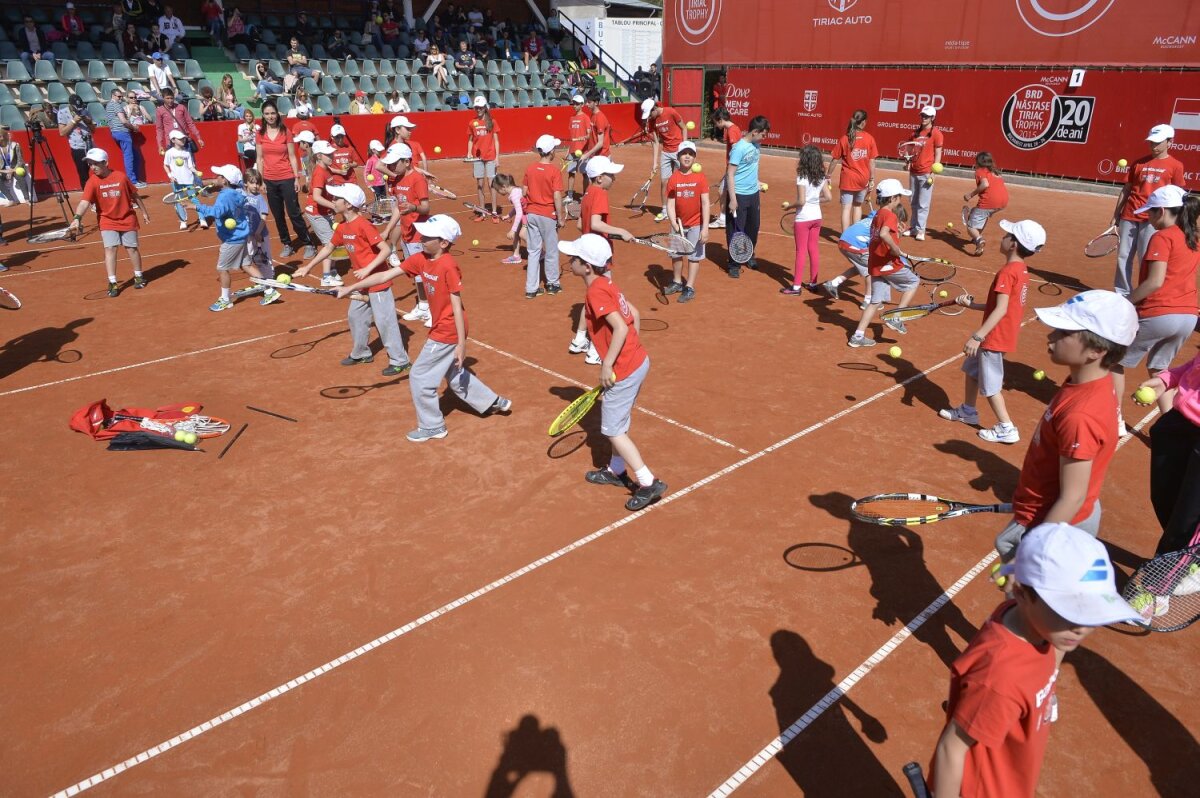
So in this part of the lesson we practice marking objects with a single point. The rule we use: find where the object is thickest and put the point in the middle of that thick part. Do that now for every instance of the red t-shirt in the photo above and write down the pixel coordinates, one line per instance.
(880, 259)
(603, 297)
(113, 197)
(541, 181)
(1002, 694)
(441, 278)
(733, 134)
(580, 131)
(1147, 174)
(275, 164)
(302, 125)
(1080, 423)
(601, 132)
(922, 164)
(688, 190)
(669, 127)
(856, 160)
(418, 152)
(484, 146)
(342, 157)
(361, 240)
(1178, 291)
(594, 203)
(412, 188)
(995, 196)
(321, 178)
(1012, 279)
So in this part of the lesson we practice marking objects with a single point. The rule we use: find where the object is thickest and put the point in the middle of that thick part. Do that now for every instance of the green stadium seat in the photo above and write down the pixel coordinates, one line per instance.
(56, 93)
(143, 70)
(6, 96)
(350, 67)
(366, 83)
(522, 82)
(493, 83)
(284, 104)
(384, 84)
(121, 71)
(86, 92)
(416, 103)
(523, 99)
(401, 84)
(30, 94)
(369, 70)
(335, 69)
(510, 99)
(313, 89)
(342, 106)
(107, 87)
(84, 51)
(149, 108)
(346, 85)
(328, 84)
(108, 52)
(15, 72)
(325, 105)
(70, 70)
(506, 68)
(417, 83)
(97, 70)
(11, 115)
(402, 67)
(506, 82)
(387, 68)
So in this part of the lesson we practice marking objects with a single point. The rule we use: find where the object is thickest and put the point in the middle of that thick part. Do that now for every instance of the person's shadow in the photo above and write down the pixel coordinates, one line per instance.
(530, 749)
(41, 344)
(996, 475)
(829, 757)
(901, 583)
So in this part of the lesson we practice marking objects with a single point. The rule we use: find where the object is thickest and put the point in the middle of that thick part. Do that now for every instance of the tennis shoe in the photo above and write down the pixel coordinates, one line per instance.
(967, 415)
(421, 435)
(860, 341)
(416, 314)
(920, 236)
(998, 434)
(357, 361)
(310, 252)
(204, 225)
(139, 281)
(605, 476)
(535, 294)
(688, 295)
(216, 307)
(553, 288)
(331, 280)
(429, 321)
(270, 296)
(183, 225)
(897, 325)
(501, 407)
(792, 290)
(579, 346)
(673, 288)
(287, 251)
(114, 288)
(717, 224)
(830, 289)
(512, 260)
(907, 232)
(646, 495)
(735, 272)
(394, 260)
(394, 370)
(592, 358)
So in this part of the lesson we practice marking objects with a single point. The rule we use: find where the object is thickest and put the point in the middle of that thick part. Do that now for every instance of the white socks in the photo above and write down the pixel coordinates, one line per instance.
(225, 292)
(836, 281)
(644, 477)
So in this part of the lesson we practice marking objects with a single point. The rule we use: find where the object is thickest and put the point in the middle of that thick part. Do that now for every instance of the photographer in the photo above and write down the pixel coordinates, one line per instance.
(77, 125)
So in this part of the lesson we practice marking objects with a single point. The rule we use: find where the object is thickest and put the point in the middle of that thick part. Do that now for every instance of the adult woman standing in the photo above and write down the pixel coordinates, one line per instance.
(276, 156)
(920, 170)
(856, 153)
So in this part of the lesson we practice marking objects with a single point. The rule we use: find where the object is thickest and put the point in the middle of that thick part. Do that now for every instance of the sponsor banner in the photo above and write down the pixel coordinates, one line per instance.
(1030, 120)
(1061, 32)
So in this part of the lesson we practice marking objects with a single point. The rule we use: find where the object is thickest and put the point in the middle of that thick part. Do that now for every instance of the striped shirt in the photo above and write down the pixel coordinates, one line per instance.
(112, 118)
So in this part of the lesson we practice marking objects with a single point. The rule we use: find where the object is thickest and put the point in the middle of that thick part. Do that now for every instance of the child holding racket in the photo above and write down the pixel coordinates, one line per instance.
(230, 206)
(544, 215)
(410, 190)
(483, 143)
(1076, 437)
(182, 172)
(318, 211)
(579, 129)
(444, 353)
(812, 188)
(886, 262)
(855, 246)
(667, 131)
(258, 245)
(984, 364)
(855, 152)
(742, 176)
(115, 199)
(731, 134)
(1002, 687)
(506, 187)
(993, 198)
(921, 168)
(376, 178)
(613, 324)
(689, 212)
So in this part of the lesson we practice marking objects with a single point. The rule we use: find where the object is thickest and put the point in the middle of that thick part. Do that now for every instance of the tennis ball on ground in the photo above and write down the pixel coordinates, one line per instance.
(284, 278)
(19, 171)
(697, 168)
(938, 168)
(475, 242)
(943, 294)
(179, 162)
(785, 205)
(895, 351)
(1144, 396)
(578, 153)
(230, 224)
(763, 186)
(1039, 375)
(691, 125)
(190, 438)
(437, 149)
(180, 435)
(1122, 163)
(950, 225)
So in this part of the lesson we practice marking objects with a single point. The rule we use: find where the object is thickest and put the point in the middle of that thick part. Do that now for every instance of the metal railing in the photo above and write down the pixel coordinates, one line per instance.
(604, 61)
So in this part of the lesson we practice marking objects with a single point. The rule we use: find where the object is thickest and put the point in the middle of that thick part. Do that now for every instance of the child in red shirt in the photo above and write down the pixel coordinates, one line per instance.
(688, 210)
(579, 129)
(410, 190)
(985, 348)
(318, 211)
(993, 198)
(1070, 451)
(613, 324)
(115, 199)
(886, 262)
(483, 143)
(1002, 688)
(544, 215)
(731, 134)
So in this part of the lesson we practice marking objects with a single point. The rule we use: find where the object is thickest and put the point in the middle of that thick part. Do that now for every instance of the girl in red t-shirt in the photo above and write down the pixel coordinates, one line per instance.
(483, 142)
(993, 197)
(856, 153)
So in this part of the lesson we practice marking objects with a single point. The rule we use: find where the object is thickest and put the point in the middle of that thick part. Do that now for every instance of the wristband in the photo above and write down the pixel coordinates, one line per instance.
(78, 217)
(975, 337)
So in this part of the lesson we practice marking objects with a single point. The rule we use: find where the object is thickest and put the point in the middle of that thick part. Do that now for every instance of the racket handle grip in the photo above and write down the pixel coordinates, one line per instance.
(916, 780)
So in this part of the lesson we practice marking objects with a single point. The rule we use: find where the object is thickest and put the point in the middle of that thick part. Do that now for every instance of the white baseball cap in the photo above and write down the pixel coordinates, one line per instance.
(1104, 313)
(479, 102)
(891, 187)
(647, 107)
(577, 99)
(349, 192)
(96, 154)
(323, 147)
(1160, 133)
(400, 121)
(602, 165)
(439, 226)
(928, 110)
(307, 136)
(229, 172)
(590, 248)
(337, 130)
(1071, 572)
(685, 145)
(1028, 233)
(375, 145)
(1165, 197)
(177, 134)
(396, 152)
(546, 144)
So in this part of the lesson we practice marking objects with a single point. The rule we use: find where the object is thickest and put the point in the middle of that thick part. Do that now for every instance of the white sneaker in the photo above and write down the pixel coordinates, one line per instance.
(920, 236)
(393, 260)
(331, 280)
(416, 314)
(967, 415)
(183, 225)
(718, 223)
(579, 346)
(1122, 430)
(429, 320)
(592, 358)
(998, 434)
(907, 232)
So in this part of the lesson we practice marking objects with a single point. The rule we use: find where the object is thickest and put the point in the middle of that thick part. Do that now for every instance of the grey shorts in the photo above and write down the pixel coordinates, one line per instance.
(858, 259)
(1010, 536)
(853, 197)
(1161, 337)
(322, 226)
(230, 255)
(882, 285)
(977, 219)
(483, 169)
(412, 248)
(988, 368)
(117, 238)
(692, 234)
(574, 164)
(668, 164)
(617, 405)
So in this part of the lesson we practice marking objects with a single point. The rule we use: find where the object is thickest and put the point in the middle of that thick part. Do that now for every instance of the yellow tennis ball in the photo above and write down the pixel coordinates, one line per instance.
(950, 225)
(230, 224)
(938, 168)
(284, 278)
(895, 351)
(697, 168)
(1122, 163)
(335, 224)
(1144, 395)
(784, 204)
(179, 162)
(578, 153)
(19, 171)
(1039, 375)
(378, 20)
(943, 294)
(180, 435)
(691, 125)
(475, 242)
(763, 186)
(549, 117)
(190, 438)
(437, 149)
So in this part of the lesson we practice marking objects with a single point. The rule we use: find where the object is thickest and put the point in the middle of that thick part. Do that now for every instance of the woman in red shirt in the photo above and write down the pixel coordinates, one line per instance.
(856, 152)
(276, 156)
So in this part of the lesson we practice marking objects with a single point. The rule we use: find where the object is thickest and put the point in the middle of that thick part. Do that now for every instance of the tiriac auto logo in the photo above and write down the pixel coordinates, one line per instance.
(1062, 17)
(697, 19)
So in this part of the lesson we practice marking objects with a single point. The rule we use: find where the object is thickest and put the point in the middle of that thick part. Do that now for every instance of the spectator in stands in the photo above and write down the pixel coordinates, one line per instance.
(137, 117)
(33, 45)
(144, 12)
(71, 25)
(359, 104)
(298, 62)
(268, 82)
(338, 48)
(397, 104)
(171, 27)
(435, 62)
(121, 129)
(532, 47)
(371, 32)
(160, 76)
(156, 41)
(554, 49)
(172, 116)
(77, 125)
(475, 17)
(236, 29)
(464, 59)
(116, 26)
(214, 21)
(133, 47)
(210, 109)
(227, 98)
(302, 106)
(305, 31)
(420, 43)
(508, 49)
(390, 30)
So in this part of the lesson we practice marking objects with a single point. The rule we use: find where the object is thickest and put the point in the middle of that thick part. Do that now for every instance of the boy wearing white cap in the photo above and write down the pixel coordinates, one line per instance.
(1146, 174)
(578, 128)
(115, 199)
(182, 172)
(984, 364)
(543, 196)
(920, 169)
(886, 262)
(666, 126)
(444, 354)
(1002, 687)
(1077, 436)
(318, 212)
(689, 212)
(342, 161)
(410, 191)
(613, 324)
(230, 206)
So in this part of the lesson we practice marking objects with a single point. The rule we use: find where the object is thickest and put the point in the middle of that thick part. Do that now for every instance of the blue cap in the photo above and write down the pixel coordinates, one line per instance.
(156, 56)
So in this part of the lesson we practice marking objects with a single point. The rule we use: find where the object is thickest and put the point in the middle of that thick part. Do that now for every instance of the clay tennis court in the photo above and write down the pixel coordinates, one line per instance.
(330, 610)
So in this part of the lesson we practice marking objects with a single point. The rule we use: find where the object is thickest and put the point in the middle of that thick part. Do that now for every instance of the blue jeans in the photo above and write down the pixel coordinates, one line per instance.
(266, 88)
(125, 141)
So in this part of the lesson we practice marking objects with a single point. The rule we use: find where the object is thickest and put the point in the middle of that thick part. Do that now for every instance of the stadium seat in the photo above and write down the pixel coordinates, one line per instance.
(143, 70)
(44, 71)
(507, 82)
(86, 92)
(135, 87)
(535, 82)
(200, 84)
(416, 103)
(107, 87)
(493, 82)
(387, 68)
(328, 85)
(384, 84)
(478, 83)
(121, 71)
(173, 68)
(523, 98)
(432, 103)
(268, 38)
(56, 93)
(370, 53)
(522, 82)
(401, 84)
(313, 89)
(506, 68)
(97, 70)
(262, 52)
(350, 67)
(387, 52)
(283, 103)
(493, 68)
(241, 52)
(60, 50)
(366, 83)
(108, 52)
(416, 66)
(30, 94)
(324, 104)
(6, 96)
(537, 98)
(519, 68)
(334, 69)
(11, 115)
(276, 66)
(8, 50)
(510, 99)
(369, 70)
(494, 99)
(380, 98)
(403, 52)
(70, 70)
(417, 83)
(186, 88)
(97, 111)
(84, 51)
(402, 67)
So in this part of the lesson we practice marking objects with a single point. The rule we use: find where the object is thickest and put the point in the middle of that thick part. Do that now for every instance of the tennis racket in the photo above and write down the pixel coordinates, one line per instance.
(1102, 244)
(1166, 590)
(304, 289)
(438, 191)
(947, 307)
(671, 243)
(637, 202)
(787, 222)
(868, 206)
(9, 300)
(470, 159)
(189, 193)
(381, 210)
(575, 412)
(907, 150)
(741, 248)
(914, 509)
(966, 216)
(52, 235)
(932, 270)
(572, 208)
(481, 210)
(202, 426)
(916, 780)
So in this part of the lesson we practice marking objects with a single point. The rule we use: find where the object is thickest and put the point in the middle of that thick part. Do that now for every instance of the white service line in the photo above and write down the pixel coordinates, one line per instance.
(289, 685)
(640, 409)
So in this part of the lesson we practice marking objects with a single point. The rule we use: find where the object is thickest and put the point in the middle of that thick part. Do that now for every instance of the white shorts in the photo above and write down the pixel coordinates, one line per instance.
(692, 234)
(483, 169)
(978, 217)
(230, 255)
(1160, 337)
(882, 285)
(853, 197)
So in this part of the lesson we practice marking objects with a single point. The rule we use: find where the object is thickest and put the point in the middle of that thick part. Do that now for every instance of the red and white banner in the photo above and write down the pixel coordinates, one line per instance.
(1030, 120)
(1063, 32)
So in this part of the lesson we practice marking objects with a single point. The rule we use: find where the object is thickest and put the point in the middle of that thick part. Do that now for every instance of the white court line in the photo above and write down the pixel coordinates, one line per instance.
(575, 382)
(774, 747)
(291, 684)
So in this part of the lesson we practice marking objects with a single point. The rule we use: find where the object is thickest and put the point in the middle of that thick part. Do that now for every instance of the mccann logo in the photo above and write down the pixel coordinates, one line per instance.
(1062, 17)
(697, 19)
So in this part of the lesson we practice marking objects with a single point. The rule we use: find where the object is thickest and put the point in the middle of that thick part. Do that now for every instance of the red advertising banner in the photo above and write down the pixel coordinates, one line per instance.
(1030, 120)
(1063, 32)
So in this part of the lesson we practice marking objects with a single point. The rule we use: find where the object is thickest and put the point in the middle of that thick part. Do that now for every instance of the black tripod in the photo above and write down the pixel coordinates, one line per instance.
(53, 176)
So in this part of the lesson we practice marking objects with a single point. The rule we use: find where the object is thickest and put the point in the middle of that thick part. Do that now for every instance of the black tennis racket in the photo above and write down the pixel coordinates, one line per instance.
(1103, 244)
(932, 270)
(1166, 590)
(916, 780)
(914, 509)
(787, 222)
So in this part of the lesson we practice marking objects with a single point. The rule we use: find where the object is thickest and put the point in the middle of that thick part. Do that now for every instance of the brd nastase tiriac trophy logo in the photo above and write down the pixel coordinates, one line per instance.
(697, 19)
(1062, 17)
